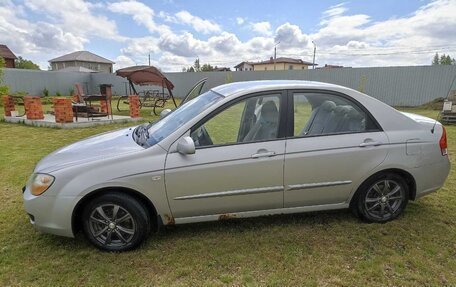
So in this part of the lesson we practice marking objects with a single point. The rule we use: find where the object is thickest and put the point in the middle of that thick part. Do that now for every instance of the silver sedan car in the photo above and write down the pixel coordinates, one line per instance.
(240, 150)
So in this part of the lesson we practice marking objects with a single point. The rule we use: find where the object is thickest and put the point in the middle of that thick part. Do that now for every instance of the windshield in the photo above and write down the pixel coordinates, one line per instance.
(166, 126)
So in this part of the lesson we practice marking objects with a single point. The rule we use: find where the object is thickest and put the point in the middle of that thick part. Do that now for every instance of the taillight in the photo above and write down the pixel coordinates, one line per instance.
(443, 142)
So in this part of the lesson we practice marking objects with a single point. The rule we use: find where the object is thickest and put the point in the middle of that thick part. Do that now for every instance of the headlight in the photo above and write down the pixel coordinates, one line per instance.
(40, 182)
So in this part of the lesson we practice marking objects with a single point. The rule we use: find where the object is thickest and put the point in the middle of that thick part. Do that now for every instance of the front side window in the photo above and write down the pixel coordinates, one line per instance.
(166, 126)
(322, 114)
(252, 119)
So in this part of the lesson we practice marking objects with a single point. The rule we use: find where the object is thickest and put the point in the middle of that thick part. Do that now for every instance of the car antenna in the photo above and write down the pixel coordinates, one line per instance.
(448, 94)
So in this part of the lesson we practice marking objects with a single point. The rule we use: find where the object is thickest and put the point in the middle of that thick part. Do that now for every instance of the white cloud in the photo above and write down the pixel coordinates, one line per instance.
(291, 36)
(198, 24)
(141, 14)
(123, 61)
(185, 45)
(76, 17)
(263, 28)
(342, 37)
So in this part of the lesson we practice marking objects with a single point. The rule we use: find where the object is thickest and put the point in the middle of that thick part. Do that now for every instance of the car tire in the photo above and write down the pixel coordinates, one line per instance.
(115, 222)
(381, 198)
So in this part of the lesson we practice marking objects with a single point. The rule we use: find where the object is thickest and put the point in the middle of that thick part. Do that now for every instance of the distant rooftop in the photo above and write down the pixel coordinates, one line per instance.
(6, 53)
(284, 60)
(82, 56)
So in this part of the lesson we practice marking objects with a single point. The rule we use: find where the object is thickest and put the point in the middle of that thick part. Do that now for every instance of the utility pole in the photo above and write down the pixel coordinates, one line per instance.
(275, 54)
(315, 50)
(149, 59)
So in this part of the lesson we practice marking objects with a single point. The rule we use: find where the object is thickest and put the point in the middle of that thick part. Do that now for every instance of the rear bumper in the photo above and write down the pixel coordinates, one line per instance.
(50, 214)
(430, 178)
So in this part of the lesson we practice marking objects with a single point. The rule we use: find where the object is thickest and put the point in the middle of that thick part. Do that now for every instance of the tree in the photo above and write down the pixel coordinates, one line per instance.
(22, 63)
(436, 60)
(443, 60)
(3, 89)
(196, 65)
(207, 68)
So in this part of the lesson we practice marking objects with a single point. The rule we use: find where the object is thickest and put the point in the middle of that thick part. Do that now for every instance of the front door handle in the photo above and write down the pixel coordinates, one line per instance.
(263, 153)
(370, 143)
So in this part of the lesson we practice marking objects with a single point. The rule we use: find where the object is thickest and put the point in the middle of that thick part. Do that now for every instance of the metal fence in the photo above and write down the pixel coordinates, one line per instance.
(397, 86)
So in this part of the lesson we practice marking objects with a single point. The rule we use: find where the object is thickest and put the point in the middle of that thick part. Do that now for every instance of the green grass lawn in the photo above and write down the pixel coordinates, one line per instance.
(311, 249)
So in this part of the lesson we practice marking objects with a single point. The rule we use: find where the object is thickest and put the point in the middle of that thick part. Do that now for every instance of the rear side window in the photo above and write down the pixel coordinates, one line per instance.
(323, 114)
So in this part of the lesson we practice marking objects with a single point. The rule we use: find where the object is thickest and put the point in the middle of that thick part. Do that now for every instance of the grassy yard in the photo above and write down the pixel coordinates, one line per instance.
(312, 249)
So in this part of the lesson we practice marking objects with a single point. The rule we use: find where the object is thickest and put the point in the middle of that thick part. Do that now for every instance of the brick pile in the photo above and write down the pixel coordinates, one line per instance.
(105, 106)
(63, 110)
(8, 105)
(134, 106)
(33, 108)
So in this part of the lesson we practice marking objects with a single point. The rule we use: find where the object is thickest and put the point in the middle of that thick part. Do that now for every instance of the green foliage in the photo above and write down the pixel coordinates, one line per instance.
(58, 94)
(207, 68)
(22, 63)
(196, 65)
(45, 92)
(229, 78)
(4, 90)
(443, 60)
(436, 59)
(309, 249)
(198, 68)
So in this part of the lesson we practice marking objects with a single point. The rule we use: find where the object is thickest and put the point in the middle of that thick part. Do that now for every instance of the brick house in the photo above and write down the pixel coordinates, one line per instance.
(9, 56)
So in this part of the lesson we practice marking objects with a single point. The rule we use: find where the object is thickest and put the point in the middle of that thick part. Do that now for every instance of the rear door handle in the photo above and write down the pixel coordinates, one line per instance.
(370, 143)
(263, 154)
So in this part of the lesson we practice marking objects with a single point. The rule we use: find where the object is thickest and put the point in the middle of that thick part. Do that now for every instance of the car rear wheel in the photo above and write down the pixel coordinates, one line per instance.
(115, 222)
(382, 198)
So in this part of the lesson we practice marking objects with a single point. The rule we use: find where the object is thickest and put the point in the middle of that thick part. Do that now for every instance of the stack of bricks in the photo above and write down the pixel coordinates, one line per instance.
(134, 106)
(8, 105)
(105, 106)
(33, 108)
(63, 110)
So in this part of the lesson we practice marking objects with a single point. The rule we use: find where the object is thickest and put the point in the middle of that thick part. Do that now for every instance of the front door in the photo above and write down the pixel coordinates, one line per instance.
(238, 163)
(335, 143)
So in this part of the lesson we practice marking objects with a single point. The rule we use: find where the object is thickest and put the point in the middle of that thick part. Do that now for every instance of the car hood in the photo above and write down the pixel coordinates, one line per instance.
(97, 147)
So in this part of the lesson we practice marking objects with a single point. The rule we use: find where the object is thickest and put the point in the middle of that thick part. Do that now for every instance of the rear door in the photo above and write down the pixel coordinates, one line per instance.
(333, 143)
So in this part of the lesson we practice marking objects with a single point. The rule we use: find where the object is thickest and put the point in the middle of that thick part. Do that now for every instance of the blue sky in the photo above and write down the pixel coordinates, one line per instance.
(224, 33)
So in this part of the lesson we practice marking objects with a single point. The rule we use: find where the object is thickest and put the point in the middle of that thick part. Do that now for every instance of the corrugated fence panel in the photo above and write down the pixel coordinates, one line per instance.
(34, 82)
(398, 86)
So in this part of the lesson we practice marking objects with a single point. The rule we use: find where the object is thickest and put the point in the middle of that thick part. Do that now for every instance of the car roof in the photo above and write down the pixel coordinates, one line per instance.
(246, 87)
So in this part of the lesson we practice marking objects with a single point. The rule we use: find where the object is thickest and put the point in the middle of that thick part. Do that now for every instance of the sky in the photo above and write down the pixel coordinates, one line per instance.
(224, 33)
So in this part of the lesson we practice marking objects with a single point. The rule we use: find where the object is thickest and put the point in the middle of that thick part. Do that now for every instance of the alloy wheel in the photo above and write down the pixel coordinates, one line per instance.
(112, 225)
(384, 199)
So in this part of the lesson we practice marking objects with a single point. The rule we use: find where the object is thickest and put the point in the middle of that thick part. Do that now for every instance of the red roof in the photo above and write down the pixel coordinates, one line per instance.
(6, 53)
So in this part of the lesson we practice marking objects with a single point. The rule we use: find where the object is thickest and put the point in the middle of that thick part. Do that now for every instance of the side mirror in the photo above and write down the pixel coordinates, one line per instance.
(186, 145)
(164, 113)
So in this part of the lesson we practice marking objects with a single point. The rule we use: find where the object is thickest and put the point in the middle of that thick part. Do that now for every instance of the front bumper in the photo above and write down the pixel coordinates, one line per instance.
(50, 214)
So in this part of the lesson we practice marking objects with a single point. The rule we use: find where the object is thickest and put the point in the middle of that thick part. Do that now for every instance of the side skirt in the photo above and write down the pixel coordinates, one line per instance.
(256, 213)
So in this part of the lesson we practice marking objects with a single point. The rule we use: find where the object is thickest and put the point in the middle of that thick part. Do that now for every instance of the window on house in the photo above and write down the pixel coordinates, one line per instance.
(290, 67)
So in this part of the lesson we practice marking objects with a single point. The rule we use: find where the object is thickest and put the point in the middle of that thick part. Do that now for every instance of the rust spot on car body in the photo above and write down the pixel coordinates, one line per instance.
(226, 216)
(169, 220)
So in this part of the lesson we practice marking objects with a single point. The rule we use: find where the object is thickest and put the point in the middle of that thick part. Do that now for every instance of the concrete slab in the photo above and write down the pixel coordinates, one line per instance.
(49, 121)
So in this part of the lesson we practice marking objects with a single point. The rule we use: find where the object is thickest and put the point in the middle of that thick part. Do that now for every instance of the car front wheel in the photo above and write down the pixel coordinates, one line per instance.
(382, 198)
(115, 222)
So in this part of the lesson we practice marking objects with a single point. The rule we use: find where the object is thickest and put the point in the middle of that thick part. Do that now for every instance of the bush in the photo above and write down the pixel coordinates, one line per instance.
(45, 93)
